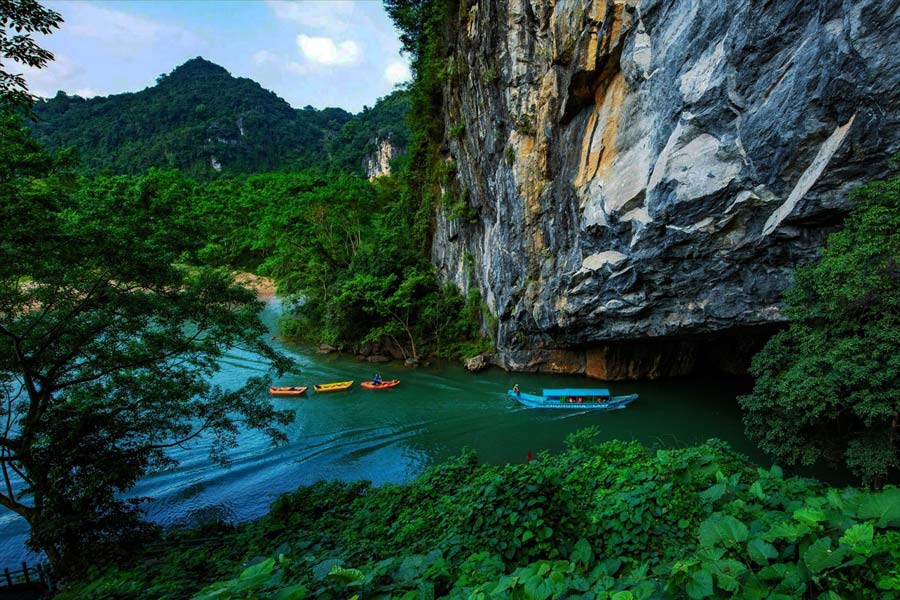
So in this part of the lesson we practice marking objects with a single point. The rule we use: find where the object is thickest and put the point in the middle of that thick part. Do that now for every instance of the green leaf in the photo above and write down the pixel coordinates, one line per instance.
(834, 499)
(582, 552)
(829, 595)
(294, 592)
(809, 516)
(757, 490)
(527, 536)
(723, 529)
(713, 493)
(700, 585)
(347, 576)
(321, 570)
(761, 551)
(787, 531)
(727, 574)
(858, 535)
(623, 595)
(819, 556)
(263, 568)
(883, 506)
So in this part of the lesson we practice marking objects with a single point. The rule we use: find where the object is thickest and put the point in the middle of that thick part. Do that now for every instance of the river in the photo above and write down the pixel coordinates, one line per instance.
(393, 435)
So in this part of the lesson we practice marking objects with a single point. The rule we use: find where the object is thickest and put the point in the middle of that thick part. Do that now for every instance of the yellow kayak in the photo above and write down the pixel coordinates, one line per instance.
(332, 387)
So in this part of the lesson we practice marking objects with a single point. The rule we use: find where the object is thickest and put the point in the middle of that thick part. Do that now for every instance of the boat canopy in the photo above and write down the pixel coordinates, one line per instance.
(576, 392)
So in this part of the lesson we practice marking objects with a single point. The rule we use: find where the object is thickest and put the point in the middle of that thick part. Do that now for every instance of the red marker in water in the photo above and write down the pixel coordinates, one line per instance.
(529, 456)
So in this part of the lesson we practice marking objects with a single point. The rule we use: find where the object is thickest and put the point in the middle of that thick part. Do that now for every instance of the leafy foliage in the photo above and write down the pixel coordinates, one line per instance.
(356, 142)
(107, 345)
(199, 115)
(828, 388)
(24, 17)
(607, 521)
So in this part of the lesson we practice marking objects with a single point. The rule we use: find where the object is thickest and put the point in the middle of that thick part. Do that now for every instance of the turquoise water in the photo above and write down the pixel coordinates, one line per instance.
(393, 435)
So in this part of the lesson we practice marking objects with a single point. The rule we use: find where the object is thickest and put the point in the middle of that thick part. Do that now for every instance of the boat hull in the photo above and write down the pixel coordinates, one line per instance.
(533, 401)
(371, 385)
(322, 388)
(287, 391)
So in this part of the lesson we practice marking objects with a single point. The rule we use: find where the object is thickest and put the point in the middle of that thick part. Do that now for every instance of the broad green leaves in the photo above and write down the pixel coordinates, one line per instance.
(883, 506)
(721, 530)
(457, 532)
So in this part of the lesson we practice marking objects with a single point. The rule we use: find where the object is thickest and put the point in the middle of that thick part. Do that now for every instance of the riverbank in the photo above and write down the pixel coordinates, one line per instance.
(612, 519)
(264, 287)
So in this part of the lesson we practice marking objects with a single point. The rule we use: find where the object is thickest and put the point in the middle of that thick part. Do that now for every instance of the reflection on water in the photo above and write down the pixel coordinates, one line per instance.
(204, 514)
(393, 435)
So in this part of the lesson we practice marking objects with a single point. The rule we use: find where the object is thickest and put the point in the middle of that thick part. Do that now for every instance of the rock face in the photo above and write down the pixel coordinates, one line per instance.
(478, 363)
(647, 174)
(379, 163)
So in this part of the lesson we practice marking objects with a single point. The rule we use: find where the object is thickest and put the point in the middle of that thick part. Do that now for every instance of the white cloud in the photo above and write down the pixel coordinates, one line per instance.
(47, 81)
(326, 16)
(324, 51)
(265, 57)
(297, 68)
(86, 92)
(123, 31)
(397, 72)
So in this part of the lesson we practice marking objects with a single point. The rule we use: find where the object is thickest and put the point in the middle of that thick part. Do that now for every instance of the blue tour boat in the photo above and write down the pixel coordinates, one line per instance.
(573, 399)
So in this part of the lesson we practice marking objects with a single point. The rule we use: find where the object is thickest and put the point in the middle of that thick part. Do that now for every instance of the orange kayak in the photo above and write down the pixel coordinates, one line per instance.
(371, 385)
(287, 391)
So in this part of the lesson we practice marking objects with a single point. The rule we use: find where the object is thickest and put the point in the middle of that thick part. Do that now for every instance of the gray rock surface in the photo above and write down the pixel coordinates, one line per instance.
(478, 363)
(652, 170)
(378, 164)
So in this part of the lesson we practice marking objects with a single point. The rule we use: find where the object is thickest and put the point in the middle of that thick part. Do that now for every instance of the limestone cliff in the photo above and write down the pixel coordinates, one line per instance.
(646, 174)
(378, 164)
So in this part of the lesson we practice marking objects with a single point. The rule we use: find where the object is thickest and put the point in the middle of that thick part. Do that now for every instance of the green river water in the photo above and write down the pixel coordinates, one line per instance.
(393, 435)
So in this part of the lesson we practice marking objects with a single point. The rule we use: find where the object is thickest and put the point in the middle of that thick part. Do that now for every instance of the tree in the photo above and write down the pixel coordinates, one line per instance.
(106, 347)
(393, 303)
(828, 387)
(25, 17)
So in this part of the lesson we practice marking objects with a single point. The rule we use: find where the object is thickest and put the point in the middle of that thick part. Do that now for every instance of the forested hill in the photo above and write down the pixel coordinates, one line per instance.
(202, 120)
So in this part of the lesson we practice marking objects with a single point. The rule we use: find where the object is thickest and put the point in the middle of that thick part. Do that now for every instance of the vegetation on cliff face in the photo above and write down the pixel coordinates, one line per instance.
(358, 138)
(828, 387)
(610, 521)
(425, 27)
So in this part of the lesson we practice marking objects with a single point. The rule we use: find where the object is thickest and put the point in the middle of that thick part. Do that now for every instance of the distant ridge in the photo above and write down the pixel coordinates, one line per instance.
(201, 119)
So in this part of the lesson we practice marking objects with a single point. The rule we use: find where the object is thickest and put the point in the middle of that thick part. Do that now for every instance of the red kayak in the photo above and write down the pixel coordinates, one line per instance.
(371, 385)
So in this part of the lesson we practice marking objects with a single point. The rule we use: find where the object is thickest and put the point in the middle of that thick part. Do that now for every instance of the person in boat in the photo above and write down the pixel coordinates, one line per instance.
(377, 379)
(516, 390)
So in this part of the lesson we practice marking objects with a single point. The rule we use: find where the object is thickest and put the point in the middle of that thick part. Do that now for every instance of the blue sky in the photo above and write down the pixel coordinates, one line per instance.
(310, 52)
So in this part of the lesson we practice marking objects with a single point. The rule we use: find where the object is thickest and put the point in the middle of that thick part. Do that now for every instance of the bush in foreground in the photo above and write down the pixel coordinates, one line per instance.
(607, 521)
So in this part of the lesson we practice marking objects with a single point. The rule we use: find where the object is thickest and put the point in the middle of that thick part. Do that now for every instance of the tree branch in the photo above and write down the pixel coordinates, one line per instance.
(16, 507)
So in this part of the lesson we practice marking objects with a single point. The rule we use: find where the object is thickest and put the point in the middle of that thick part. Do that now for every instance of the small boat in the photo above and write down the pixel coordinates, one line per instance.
(287, 391)
(332, 387)
(573, 399)
(371, 385)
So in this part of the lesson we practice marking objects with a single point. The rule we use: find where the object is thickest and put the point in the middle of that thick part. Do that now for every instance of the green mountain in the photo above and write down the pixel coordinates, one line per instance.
(202, 120)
